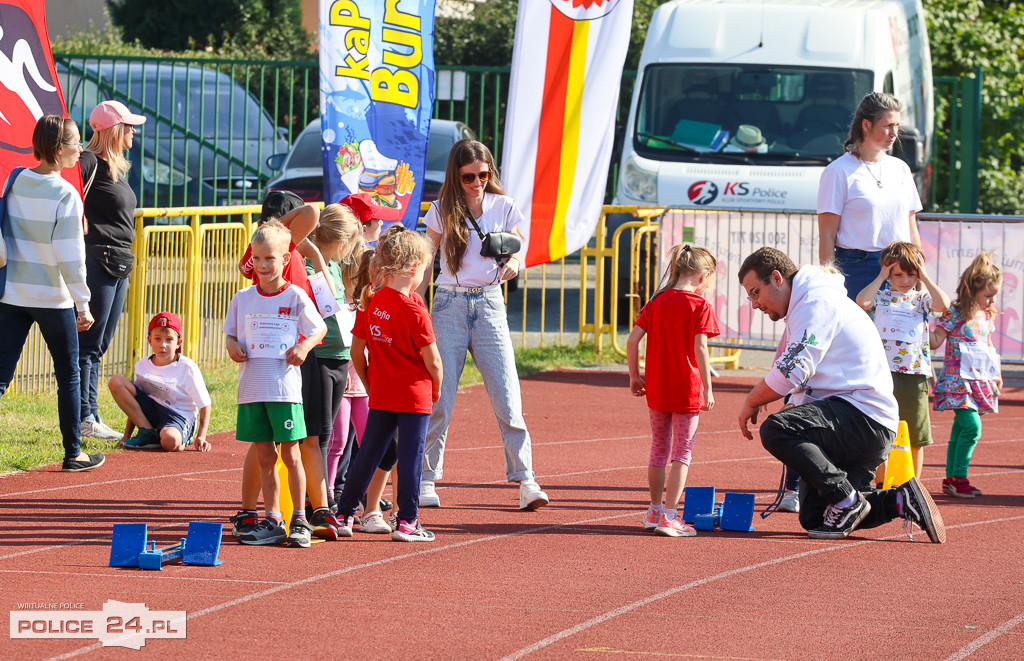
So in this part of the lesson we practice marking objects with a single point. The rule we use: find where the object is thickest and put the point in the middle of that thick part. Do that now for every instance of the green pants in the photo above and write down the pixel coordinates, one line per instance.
(963, 438)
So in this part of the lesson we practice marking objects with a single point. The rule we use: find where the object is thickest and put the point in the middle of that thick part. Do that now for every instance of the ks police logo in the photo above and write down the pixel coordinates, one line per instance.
(703, 192)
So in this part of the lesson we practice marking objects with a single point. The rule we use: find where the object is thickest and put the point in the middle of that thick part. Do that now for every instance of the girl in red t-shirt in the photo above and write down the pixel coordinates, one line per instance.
(393, 325)
(678, 322)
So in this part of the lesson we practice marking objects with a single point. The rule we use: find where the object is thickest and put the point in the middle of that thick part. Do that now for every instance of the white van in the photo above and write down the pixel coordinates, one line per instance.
(740, 104)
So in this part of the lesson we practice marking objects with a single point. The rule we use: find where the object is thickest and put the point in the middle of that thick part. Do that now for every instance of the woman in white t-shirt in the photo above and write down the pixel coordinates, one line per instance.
(866, 198)
(469, 314)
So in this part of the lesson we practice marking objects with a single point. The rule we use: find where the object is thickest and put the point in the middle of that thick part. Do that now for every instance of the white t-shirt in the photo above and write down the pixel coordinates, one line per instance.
(179, 386)
(870, 218)
(500, 215)
(270, 379)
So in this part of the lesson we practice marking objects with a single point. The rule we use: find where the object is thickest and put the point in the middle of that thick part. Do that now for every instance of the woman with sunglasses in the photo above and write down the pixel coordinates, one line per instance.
(110, 232)
(469, 314)
(46, 274)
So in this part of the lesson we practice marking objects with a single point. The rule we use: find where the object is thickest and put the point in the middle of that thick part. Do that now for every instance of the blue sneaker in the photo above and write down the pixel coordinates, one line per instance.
(144, 439)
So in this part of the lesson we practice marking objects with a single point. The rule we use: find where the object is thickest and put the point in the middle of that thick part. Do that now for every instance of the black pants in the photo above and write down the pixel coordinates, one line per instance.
(835, 449)
(323, 384)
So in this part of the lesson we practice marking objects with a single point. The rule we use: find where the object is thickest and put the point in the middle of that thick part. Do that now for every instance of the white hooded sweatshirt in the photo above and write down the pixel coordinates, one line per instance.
(832, 349)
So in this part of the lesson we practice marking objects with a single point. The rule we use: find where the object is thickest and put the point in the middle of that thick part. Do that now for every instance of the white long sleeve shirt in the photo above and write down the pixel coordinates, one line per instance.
(832, 349)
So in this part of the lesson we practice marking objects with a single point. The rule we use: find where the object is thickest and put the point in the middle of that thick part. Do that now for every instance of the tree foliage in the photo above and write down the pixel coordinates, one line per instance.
(965, 35)
(256, 28)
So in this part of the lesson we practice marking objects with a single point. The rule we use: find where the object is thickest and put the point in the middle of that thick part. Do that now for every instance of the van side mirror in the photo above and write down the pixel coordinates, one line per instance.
(910, 148)
(275, 161)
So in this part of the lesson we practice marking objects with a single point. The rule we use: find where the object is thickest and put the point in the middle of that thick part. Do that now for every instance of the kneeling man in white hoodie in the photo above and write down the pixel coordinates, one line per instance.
(844, 417)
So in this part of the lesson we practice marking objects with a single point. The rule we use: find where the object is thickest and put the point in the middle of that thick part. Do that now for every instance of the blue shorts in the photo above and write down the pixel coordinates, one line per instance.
(161, 417)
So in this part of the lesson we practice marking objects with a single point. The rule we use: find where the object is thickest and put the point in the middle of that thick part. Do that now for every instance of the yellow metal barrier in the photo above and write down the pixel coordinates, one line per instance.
(191, 269)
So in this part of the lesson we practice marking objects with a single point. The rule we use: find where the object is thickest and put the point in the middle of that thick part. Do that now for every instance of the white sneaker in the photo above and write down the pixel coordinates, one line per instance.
(790, 502)
(99, 430)
(428, 495)
(373, 522)
(530, 495)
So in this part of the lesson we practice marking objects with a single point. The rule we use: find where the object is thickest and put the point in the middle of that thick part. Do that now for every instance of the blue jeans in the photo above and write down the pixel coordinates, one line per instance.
(477, 323)
(859, 267)
(380, 429)
(106, 305)
(61, 337)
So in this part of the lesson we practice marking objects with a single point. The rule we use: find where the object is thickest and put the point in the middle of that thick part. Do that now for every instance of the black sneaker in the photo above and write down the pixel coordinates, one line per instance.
(266, 533)
(385, 505)
(840, 521)
(325, 525)
(299, 534)
(243, 522)
(919, 509)
(90, 462)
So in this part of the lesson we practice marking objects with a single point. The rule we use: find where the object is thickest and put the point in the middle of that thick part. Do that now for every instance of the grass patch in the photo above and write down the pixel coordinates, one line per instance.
(31, 435)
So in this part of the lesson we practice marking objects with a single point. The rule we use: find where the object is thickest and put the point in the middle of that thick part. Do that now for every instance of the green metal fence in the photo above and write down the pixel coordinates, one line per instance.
(978, 123)
(215, 122)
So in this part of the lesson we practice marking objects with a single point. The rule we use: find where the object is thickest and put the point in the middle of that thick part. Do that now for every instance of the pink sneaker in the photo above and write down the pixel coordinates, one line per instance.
(650, 519)
(947, 486)
(674, 527)
(962, 488)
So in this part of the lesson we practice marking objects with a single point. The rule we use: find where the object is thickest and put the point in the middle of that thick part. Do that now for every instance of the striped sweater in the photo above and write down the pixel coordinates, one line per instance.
(45, 246)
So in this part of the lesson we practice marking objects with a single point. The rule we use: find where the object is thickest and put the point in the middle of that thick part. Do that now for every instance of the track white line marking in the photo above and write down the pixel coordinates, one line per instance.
(142, 574)
(365, 565)
(604, 617)
(121, 481)
(79, 542)
(976, 644)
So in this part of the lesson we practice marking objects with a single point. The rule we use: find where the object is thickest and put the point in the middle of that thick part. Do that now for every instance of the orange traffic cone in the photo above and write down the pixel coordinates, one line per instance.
(286, 493)
(900, 467)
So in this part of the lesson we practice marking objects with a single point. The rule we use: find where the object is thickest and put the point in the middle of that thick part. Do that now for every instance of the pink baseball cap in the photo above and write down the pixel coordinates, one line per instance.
(112, 113)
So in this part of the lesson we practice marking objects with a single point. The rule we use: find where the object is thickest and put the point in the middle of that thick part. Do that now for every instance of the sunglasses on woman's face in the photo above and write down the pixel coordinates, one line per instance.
(469, 177)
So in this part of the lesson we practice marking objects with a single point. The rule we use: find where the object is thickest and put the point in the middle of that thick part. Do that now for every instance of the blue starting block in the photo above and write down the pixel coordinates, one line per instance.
(200, 547)
(737, 512)
(698, 500)
(708, 521)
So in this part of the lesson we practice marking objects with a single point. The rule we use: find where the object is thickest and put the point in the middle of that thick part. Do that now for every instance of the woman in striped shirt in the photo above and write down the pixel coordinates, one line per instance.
(46, 274)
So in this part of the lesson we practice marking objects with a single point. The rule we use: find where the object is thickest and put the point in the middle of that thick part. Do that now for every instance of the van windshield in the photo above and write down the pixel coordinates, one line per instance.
(746, 113)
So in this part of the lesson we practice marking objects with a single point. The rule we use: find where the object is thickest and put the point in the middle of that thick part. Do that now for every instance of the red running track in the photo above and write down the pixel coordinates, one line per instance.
(577, 579)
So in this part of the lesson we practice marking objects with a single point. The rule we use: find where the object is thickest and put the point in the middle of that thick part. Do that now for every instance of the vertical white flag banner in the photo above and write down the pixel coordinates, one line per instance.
(560, 128)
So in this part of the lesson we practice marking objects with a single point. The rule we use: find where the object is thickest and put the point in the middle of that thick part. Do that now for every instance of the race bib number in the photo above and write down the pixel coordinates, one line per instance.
(269, 336)
(978, 361)
(324, 298)
(898, 323)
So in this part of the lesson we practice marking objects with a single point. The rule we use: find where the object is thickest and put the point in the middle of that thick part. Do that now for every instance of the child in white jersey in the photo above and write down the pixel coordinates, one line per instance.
(167, 397)
(270, 329)
(902, 309)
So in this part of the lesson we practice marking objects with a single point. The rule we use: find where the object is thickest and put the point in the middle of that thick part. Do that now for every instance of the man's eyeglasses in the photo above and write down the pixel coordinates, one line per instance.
(752, 295)
(469, 177)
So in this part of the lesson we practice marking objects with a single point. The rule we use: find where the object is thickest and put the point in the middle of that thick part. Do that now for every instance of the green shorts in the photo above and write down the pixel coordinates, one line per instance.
(263, 422)
(911, 391)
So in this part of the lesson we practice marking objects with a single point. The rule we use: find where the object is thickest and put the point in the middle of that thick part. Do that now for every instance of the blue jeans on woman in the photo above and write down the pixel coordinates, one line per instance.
(106, 305)
(477, 322)
(860, 267)
(61, 336)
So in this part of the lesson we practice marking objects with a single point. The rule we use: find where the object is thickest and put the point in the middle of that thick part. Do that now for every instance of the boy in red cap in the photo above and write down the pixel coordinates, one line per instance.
(168, 396)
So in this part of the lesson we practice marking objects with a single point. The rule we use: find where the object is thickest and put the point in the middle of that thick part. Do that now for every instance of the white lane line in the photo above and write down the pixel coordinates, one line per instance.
(366, 565)
(121, 481)
(977, 643)
(86, 541)
(591, 440)
(550, 639)
(622, 610)
(141, 574)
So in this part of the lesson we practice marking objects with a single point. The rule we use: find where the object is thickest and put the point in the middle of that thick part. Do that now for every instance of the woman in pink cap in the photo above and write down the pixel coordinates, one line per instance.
(110, 231)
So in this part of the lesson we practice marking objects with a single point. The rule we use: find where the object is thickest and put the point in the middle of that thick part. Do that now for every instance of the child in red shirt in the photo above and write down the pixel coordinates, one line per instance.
(394, 326)
(678, 322)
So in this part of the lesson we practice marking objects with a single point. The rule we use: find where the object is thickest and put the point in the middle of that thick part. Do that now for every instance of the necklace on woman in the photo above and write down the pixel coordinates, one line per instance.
(878, 179)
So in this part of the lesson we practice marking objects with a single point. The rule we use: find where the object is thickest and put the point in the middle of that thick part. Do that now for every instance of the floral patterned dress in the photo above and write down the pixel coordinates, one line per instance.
(952, 391)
